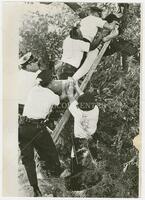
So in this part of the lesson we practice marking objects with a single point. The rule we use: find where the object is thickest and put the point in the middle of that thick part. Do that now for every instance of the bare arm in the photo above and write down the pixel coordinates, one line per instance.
(70, 91)
(112, 35)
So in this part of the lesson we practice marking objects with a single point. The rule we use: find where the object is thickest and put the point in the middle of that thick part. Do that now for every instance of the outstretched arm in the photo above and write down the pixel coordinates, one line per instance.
(114, 33)
(70, 91)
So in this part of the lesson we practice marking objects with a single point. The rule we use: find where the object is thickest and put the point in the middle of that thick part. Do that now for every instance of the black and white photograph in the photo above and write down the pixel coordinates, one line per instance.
(78, 99)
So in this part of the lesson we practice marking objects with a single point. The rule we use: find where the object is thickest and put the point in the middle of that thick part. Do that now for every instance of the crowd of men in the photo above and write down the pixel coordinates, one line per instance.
(37, 98)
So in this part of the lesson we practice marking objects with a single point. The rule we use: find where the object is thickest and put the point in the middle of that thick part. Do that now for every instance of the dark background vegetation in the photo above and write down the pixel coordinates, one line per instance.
(116, 83)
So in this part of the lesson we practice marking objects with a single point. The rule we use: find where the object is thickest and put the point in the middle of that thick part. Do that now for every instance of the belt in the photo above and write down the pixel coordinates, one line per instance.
(25, 120)
(33, 121)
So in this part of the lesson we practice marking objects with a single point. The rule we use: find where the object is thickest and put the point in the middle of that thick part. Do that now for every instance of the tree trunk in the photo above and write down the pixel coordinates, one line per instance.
(124, 7)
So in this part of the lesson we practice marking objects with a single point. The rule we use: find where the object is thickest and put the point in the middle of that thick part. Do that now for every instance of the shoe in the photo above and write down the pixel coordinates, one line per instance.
(37, 193)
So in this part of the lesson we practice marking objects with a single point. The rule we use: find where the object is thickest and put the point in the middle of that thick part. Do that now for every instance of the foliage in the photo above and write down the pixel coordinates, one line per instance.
(43, 34)
(117, 96)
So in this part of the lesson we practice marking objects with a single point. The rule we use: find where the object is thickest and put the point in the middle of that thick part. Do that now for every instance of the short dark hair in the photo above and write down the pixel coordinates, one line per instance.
(86, 101)
(111, 17)
(95, 9)
(73, 33)
(46, 77)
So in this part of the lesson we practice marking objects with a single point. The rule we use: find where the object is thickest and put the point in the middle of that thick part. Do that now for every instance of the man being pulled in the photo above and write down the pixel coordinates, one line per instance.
(82, 39)
(89, 27)
(33, 132)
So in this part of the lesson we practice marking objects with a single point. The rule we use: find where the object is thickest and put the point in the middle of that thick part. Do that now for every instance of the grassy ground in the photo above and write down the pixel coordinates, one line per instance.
(49, 187)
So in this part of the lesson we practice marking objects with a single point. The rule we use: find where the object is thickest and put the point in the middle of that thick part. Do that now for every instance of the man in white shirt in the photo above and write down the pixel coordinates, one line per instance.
(33, 132)
(28, 70)
(85, 113)
(89, 27)
(74, 48)
(80, 42)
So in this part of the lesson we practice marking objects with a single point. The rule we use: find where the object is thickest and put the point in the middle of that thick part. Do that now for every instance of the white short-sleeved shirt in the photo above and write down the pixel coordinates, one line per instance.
(73, 51)
(26, 80)
(89, 26)
(85, 122)
(40, 102)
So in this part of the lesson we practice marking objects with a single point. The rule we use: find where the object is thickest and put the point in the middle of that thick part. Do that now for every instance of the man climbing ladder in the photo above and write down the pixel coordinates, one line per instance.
(66, 115)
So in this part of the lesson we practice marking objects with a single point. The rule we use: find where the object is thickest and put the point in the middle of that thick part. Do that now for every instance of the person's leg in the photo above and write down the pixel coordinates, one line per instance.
(26, 139)
(74, 181)
(84, 166)
(47, 152)
(76, 164)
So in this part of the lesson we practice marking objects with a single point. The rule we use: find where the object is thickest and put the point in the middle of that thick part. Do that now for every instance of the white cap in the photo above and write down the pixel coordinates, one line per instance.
(25, 58)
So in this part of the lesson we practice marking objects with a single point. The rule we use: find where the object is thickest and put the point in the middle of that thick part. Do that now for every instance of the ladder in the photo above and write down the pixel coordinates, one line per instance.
(66, 115)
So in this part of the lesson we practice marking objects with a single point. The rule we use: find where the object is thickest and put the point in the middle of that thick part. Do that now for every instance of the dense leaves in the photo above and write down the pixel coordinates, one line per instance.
(43, 34)
(116, 89)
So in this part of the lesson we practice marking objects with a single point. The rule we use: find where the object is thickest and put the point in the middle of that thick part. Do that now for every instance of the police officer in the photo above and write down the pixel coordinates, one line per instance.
(33, 132)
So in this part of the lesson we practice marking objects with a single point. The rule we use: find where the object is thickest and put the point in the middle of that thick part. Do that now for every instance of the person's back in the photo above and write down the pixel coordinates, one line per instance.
(84, 110)
(85, 121)
(89, 26)
(39, 102)
(74, 48)
(73, 51)
(34, 134)
(26, 80)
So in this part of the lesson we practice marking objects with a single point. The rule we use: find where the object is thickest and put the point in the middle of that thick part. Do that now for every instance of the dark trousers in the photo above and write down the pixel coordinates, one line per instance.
(84, 172)
(31, 136)
(20, 108)
(80, 146)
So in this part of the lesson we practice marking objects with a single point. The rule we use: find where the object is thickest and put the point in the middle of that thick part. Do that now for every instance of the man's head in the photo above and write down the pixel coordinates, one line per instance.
(112, 17)
(29, 62)
(45, 77)
(86, 102)
(95, 11)
(75, 33)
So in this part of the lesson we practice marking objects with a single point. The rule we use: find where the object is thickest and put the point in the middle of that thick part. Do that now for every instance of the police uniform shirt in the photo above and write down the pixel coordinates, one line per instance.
(26, 80)
(89, 26)
(85, 122)
(73, 51)
(39, 102)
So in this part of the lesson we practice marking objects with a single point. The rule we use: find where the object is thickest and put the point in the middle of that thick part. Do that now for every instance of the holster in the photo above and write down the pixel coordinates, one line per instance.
(22, 120)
